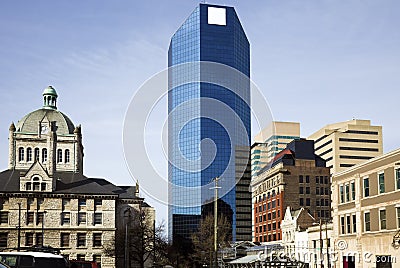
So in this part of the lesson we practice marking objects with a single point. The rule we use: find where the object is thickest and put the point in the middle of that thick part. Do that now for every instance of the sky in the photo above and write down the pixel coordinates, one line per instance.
(316, 62)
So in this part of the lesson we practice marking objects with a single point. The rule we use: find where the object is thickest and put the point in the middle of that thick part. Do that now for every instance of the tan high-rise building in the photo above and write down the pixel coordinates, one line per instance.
(366, 213)
(270, 141)
(348, 143)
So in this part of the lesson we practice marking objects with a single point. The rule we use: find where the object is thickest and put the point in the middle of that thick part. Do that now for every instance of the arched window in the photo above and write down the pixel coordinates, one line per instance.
(29, 154)
(127, 213)
(44, 155)
(21, 154)
(66, 156)
(59, 156)
(36, 184)
(37, 154)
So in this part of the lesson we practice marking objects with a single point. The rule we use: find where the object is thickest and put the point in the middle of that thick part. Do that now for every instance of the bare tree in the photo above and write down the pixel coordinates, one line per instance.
(203, 240)
(143, 244)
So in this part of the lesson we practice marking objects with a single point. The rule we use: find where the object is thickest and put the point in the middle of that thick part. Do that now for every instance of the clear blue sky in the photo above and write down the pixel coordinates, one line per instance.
(317, 62)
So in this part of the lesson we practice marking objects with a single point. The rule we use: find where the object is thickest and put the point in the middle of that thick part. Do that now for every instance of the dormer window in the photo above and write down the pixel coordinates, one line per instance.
(36, 184)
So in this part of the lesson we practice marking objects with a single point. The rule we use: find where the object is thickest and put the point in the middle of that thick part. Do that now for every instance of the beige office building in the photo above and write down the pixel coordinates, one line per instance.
(366, 213)
(346, 144)
(270, 141)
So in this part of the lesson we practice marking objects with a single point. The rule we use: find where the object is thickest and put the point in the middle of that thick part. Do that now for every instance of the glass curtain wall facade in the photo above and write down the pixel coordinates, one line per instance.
(220, 39)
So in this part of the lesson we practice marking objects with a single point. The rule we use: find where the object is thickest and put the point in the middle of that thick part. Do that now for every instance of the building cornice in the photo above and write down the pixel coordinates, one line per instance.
(366, 163)
(267, 174)
(57, 195)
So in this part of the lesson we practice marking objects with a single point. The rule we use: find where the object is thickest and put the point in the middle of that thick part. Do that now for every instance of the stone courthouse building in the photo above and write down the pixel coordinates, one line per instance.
(46, 200)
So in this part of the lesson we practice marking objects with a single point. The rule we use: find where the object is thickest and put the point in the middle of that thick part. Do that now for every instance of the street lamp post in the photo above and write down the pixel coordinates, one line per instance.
(216, 221)
(126, 246)
(321, 242)
(327, 244)
(154, 243)
(127, 216)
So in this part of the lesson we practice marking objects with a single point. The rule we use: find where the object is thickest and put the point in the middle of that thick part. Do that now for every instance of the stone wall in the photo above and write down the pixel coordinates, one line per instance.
(53, 226)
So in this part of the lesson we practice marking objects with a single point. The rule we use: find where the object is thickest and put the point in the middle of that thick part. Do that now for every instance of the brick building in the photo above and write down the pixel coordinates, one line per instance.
(45, 200)
(296, 178)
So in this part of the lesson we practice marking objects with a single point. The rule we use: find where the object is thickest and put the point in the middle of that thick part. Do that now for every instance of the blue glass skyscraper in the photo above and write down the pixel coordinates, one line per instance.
(209, 122)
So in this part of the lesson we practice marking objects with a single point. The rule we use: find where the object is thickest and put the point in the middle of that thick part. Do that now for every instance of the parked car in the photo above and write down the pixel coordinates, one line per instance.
(83, 264)
(3, 265)
(33, 260)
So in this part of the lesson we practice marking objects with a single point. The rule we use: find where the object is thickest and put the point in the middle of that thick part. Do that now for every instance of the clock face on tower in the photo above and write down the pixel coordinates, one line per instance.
(44, 129)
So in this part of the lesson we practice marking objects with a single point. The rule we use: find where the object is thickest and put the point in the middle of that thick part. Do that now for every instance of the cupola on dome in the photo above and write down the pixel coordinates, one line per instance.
(50, 98)
(29, 123)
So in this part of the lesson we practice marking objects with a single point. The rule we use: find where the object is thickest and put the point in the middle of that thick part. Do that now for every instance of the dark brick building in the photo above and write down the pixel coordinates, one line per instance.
(296, 177)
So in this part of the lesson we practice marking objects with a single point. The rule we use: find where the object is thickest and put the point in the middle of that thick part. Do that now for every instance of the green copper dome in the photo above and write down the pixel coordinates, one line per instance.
(50, 91)
(49, 113)
(30, 122)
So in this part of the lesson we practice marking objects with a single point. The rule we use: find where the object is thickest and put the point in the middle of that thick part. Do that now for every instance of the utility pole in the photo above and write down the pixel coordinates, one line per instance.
(321, 243)
(154, 242)
(19, 227)
(216, 221)
(126, 246)
(327, 244)
(127, 217)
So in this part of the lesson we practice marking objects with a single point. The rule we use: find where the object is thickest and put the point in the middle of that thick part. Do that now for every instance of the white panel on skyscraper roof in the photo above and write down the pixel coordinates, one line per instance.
(216, 15)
